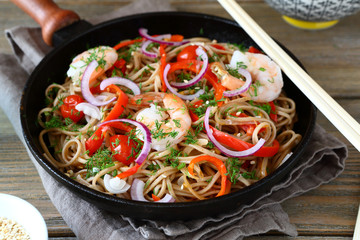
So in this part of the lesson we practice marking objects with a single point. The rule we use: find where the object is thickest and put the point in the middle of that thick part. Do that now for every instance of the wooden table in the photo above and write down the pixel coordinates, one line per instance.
(332, 58)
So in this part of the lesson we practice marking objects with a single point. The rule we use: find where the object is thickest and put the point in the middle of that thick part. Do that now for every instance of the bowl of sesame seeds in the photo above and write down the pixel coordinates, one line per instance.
(20, 220)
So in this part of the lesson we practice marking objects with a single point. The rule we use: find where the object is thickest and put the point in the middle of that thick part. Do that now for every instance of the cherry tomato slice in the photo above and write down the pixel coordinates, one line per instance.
(124, 148)
(188, 53)
(68, 108)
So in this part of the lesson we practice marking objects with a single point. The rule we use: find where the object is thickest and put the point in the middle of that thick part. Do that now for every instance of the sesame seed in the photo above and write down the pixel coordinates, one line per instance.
(10, 229)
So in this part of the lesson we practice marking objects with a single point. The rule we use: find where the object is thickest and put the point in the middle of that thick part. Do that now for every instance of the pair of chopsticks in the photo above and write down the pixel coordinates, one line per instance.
(321, 99)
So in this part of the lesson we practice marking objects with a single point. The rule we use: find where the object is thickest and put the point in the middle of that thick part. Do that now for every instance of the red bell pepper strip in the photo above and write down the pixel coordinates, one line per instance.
(219, 165)
(129, 172)
(126, 43)
(119, 64)
(176, 38)
(240, 145)
(155, 198)
(248, 128)
(273, 115)
(120, 103)
(95, 141)
(209, 76)
(228, 186)
(196, 104)
(162, 66)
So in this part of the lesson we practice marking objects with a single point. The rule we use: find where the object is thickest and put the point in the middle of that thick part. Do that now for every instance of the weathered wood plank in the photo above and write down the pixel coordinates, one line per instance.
(263, 237)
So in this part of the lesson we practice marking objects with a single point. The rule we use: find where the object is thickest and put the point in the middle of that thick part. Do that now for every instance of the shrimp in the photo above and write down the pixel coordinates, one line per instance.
(105, 56)
(168, 125)
(265, 73)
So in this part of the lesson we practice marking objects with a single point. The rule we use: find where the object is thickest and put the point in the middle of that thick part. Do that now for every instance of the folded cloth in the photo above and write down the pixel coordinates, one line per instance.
(322, 161)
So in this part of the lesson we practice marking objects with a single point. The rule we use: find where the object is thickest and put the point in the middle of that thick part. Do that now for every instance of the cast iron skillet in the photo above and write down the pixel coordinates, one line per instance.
(53, 69)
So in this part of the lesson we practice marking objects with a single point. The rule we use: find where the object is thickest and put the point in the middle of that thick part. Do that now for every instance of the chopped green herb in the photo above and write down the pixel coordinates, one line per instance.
(102, 159)
(177, 123)
(54, 122)
(249, 175)
(262, 69)
(233, 166)
(209, 180)
(181, 166)
(240, 46)
(201, 32)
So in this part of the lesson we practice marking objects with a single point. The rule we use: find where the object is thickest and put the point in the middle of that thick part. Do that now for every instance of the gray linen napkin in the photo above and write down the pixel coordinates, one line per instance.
(323, 161)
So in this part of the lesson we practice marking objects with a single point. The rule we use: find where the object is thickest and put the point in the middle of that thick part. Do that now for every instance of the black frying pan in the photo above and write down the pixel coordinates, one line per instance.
(53, 69)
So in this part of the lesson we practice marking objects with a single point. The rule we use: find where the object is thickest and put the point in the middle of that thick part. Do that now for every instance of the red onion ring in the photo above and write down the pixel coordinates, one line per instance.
(146, 44)
(144, 130)
(85, 88)
(224, 150)
(144, 33)
(171, 89)
(146, 52)
(244, 88)
(137, 193)
(201, 53)
(121, 81)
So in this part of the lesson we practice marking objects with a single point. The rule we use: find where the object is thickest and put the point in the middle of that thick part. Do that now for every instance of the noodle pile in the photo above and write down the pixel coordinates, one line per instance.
(167, 171)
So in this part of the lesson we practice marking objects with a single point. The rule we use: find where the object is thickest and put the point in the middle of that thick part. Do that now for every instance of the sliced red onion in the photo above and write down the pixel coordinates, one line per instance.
(146, 52)
(166, 199)
(137, 193)
(85, 88)
(224, 150)
(201, 53)
(244, 88)
(137, 190)
(89, 109)
(144, 130)
(121, 81)
(115, 185)
(146, 44)
(144, 33)
(171, 89)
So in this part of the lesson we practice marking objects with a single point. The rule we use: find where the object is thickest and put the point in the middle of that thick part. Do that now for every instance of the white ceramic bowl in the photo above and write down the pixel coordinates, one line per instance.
(25, 214)
(314, 14)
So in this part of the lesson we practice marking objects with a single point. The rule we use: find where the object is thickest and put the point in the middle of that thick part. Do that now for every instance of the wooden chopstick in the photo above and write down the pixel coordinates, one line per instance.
(356, 235)
(321, 99)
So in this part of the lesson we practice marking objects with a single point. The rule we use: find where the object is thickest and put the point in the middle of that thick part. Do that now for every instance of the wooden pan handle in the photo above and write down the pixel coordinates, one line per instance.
(50, 17)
